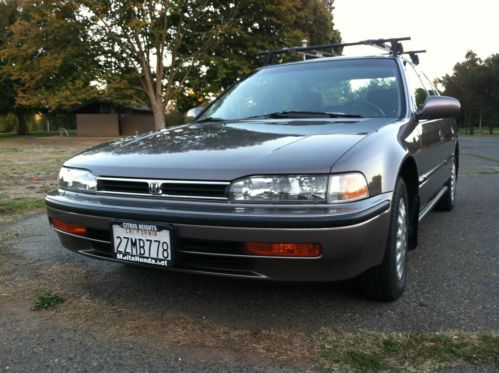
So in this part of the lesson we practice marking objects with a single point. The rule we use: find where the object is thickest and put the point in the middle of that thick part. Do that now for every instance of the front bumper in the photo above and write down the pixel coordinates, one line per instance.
(209, 237)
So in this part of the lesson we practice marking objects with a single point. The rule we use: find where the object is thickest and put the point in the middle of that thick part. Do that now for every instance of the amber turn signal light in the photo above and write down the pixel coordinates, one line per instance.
(69, 228)
(283, 249)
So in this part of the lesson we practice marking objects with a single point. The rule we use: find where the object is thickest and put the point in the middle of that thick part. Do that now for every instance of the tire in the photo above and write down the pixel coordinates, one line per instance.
(448, 200)
(386, 282)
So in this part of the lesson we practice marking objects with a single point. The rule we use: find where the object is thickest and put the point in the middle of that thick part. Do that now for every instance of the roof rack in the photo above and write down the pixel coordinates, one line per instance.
(391, 45)
(414, 55)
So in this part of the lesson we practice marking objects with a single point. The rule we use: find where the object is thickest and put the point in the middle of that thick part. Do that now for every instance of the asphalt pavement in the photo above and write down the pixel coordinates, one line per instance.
(453, 284)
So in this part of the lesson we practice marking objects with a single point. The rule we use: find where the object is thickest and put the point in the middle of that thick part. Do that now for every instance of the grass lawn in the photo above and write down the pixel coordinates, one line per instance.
(485, 132)
(35, 134)
(18, 205)
(28, 169)
(378, 351)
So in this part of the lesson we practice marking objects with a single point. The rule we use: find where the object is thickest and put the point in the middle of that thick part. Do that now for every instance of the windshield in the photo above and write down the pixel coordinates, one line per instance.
(364, 88)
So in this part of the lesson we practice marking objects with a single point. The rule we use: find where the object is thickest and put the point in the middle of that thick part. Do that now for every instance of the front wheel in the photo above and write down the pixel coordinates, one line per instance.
(448, 200)
(386, 281)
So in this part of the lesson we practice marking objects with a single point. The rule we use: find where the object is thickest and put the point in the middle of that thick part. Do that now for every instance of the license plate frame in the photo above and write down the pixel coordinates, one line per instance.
(136, 257)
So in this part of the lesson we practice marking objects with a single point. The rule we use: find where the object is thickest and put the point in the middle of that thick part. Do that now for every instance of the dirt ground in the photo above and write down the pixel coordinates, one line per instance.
(29, 165)
(121, 318)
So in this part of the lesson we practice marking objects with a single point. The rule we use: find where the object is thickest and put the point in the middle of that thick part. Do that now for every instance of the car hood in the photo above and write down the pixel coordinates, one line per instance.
(229, 150)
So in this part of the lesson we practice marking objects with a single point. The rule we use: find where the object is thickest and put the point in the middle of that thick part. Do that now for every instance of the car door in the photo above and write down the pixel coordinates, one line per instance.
(447, 126)
(432, 153)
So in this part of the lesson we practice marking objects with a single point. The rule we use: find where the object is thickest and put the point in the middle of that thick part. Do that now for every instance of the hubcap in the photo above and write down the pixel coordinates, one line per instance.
(453, 183)
(401, 248)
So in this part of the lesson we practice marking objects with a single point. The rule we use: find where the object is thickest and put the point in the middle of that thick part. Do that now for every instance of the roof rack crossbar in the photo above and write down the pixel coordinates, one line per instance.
(391, 45)
(317, 53)
(414, 55)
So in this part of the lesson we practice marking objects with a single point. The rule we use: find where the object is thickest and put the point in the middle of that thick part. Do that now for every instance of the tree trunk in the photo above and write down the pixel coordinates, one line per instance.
(158, 114)
(22, 127)
(468, 122)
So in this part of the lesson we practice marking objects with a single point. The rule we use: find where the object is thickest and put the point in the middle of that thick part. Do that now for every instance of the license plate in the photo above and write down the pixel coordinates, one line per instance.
(142, 243)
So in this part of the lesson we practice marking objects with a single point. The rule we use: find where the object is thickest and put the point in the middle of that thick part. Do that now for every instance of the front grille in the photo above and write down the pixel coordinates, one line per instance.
(164, 188)
(99, 234)
(213, 247)
(208, 256)
(222, 265)
(120, 186)
(195, 190)
(103, 248)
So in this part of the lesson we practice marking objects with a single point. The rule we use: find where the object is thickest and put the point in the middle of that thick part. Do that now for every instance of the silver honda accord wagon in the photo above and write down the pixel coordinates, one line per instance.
(317, 170)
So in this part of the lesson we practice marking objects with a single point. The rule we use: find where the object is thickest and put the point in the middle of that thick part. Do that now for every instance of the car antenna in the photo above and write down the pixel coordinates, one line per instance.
(391, 45)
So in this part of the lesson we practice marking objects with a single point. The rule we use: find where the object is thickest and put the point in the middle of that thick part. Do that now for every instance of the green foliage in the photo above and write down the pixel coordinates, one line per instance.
(174, 118)
(371, 351)
(149, 48)
(380, 83)
(8, 123)
(365, 362)
(186, 51)
(47, 300)
(8, 12)
(475, 83)
(46, 63)
(53, 121)
(259, 25)
(19, 205)
(149, 52)
(50, 61)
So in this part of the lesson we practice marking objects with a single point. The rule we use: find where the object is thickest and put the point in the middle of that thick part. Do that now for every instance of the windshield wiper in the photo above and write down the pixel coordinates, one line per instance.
(210, 119)
(305, 114)
(286, 114)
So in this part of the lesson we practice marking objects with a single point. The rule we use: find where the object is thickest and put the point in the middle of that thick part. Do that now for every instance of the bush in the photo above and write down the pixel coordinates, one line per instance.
(174, 118)
(8, 123)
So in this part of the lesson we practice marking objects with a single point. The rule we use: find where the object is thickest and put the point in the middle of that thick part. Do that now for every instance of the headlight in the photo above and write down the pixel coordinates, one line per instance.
(77, 180)
(280, 189)
(299, 189)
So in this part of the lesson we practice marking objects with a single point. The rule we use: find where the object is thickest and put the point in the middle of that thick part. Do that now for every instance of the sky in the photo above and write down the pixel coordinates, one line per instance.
(447, 29)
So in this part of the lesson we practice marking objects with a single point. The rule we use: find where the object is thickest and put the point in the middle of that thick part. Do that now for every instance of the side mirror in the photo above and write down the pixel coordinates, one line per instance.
(193, 114)
(439, 107)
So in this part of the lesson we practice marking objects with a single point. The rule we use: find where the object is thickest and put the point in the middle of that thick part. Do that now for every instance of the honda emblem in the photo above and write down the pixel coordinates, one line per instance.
(155, 189)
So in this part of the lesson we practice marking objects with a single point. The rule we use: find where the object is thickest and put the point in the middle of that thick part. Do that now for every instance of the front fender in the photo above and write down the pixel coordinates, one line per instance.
(380, 155)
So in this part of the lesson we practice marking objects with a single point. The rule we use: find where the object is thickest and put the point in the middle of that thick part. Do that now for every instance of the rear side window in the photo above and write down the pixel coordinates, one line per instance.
(432, 91)
(417, 90)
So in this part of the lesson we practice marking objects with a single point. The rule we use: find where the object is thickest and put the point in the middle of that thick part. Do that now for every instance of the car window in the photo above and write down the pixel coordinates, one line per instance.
(367, 87)
(432, 91)
(417, 90)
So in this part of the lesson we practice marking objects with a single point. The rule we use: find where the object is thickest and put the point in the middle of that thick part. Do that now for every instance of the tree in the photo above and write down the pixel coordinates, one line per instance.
(149, 52)
(463, 85)
(159, 52)
(47, 58)
(8, 15)
(490, 94)
(148, 48)
(259, 25)
(476, 84)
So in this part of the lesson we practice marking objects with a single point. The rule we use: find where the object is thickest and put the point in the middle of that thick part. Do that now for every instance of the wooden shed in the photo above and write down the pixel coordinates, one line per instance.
(102, 118)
